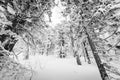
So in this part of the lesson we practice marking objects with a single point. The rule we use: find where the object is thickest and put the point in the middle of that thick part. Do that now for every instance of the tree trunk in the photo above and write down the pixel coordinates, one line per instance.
(78, 60)
(86, 52)
(101, 68)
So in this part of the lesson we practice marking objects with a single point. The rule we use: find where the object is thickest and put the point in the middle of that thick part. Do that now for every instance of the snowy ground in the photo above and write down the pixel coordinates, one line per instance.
(54, 68)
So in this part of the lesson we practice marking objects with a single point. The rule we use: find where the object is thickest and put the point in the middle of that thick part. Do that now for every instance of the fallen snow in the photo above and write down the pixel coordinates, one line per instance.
(54, 68)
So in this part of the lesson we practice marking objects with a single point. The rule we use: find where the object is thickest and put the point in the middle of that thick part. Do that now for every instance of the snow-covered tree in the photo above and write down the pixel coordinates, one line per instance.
(88, 25)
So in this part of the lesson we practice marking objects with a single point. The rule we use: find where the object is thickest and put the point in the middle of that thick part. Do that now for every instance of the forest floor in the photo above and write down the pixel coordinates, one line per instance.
(54, 68)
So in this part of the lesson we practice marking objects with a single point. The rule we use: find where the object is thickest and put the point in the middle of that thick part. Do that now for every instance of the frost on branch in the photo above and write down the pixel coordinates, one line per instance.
(23, 31)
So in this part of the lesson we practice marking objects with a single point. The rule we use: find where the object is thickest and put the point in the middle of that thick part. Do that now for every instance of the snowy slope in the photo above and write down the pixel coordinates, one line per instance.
(54, 68)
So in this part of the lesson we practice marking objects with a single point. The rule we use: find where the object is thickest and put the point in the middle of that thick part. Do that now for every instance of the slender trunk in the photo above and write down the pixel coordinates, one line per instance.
(72, 47)
(72, 43)
(86, 52)
(78, 60)
(62, 46)
(101, 68)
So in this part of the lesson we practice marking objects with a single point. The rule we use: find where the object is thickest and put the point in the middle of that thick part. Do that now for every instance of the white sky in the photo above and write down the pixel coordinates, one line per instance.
(56, 17)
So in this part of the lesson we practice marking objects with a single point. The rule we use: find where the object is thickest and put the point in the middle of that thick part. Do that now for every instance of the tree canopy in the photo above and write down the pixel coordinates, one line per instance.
(24, 21)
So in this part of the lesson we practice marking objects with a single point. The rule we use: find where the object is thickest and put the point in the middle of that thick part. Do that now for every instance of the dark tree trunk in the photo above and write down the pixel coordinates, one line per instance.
(62, 44)
(101, 68)
(86, 52)
(78, 60)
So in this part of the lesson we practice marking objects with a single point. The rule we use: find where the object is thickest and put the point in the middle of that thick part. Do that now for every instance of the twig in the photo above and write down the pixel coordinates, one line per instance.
(113, 46)
(111, 34)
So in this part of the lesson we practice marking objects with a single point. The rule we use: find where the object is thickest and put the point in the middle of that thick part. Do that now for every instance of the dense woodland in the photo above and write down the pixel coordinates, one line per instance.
(93, 28)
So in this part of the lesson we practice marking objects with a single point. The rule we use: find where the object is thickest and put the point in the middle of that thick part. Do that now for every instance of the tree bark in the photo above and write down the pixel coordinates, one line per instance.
(86, 52)
(78, 60)
(101, 68)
